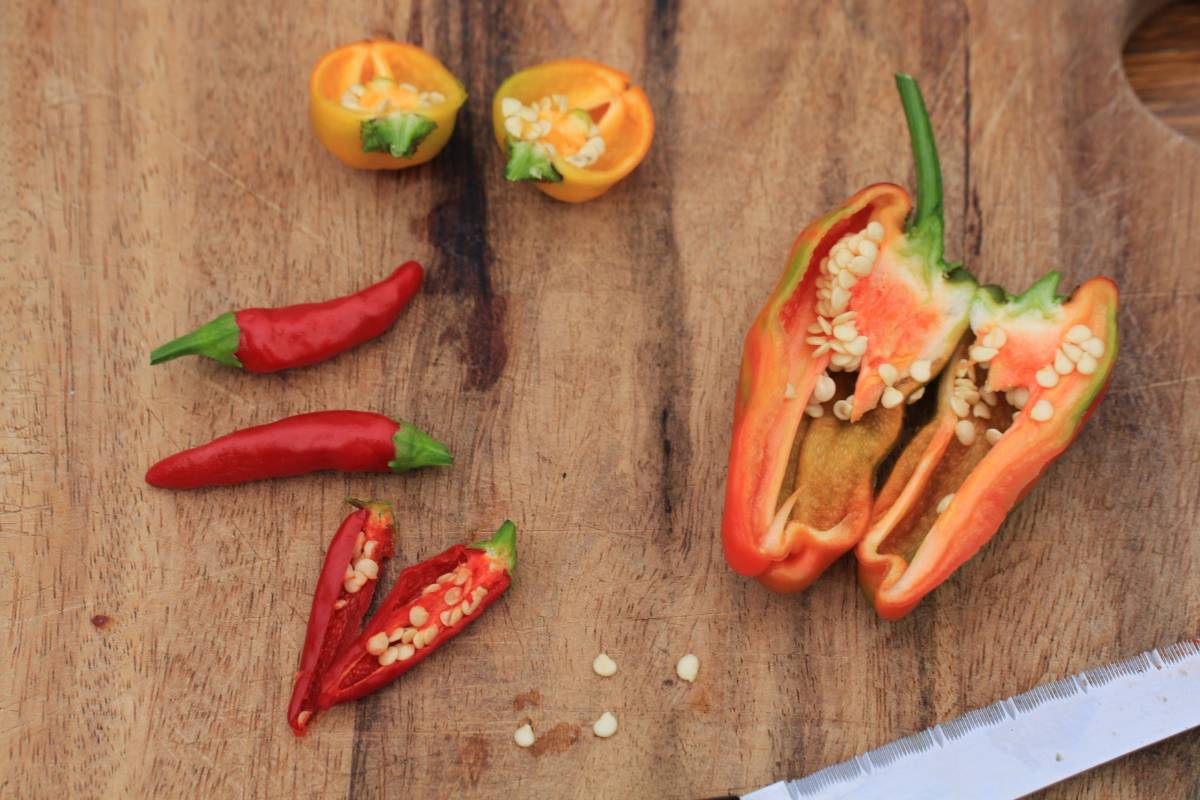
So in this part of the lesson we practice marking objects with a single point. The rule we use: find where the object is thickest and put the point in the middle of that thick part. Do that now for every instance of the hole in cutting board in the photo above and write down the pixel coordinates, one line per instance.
(1162, 62)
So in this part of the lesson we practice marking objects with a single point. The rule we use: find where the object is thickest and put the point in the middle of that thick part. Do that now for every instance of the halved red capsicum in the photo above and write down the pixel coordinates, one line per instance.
(430, 604)
(865, 315)
(1023, 383)
(344, 591)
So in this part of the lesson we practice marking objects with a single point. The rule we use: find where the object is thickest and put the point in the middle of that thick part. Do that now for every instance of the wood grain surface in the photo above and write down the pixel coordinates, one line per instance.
(158, 168)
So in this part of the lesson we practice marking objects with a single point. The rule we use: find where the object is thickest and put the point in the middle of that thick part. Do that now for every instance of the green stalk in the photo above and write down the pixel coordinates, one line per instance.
(926, 222)
(414, 448)
(502, 546)
(217, 340)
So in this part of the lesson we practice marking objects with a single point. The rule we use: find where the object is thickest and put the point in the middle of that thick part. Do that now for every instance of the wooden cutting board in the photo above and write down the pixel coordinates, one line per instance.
(580, 361)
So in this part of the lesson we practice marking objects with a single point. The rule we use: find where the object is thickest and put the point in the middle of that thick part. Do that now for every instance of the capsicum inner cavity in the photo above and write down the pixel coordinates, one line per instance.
(866, 314)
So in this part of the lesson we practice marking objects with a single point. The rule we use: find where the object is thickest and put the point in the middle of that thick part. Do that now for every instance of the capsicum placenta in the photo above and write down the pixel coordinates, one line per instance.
(348, 441)
(866, 313)
(271, 339)
(381, 104)
(430, 603)
(344, 591)
(574, 127)
(1024, 381)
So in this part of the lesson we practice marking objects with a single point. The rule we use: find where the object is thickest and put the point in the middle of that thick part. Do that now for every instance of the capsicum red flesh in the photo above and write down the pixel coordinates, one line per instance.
(1023, 383)
(347, 583)
(430, 604)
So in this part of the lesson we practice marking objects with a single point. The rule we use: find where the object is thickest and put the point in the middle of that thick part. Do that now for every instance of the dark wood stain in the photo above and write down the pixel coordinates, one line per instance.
(101, 621)
(556, 740)
(473, 755)
(532, 698)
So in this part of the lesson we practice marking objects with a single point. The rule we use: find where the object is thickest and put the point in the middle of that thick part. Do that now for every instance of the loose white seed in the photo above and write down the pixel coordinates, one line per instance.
(1047, 377)
(433, 587)
(409, 635)
(921, 370)
(867, 249)
(842, 360)
(453, 595)
(369, 549)
(846, 279)
(408, 87)
(1062, 364)
(874, 231)
(430, 633)
(445, 618)
(842, 256)
(1042, 410)
(513, 126)
(418, 616)
(838, 299)
(1079, 334)
(479, 592)
(340, 604)
(358, 543)
(467, 607)
(1074, 352)
(888, 374)
(989, 397)
(304, 717)
(687, 668)
(606, 726)
(891, 398)
(993, 435)
(1087, 365)
(437, 97)
(527, 114)
(944, 503)
(1017, 397)
(604, 666)
(995, 338)
(352, 585)
(982, 411)
(816, 410)
(964, 429)
(824, 389)
(981, 354)
(960, 407)
(524, 736)
(815, 341)
(917, 395)
(349, 573)
(1094, 347)
(367, 567)
(841, 409)
(445, 577)
(389, 656)
(377, 643)
(396, 635)
(418, 641)
(405, 652)
(455, 616)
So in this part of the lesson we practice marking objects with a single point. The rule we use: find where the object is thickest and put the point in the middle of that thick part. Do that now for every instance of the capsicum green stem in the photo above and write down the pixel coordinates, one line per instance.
(926, 222)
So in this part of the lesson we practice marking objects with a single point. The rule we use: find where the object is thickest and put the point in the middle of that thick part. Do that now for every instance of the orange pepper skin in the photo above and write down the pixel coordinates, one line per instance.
(340, 129)
(895, 582)
(765, 422)
(621, 113)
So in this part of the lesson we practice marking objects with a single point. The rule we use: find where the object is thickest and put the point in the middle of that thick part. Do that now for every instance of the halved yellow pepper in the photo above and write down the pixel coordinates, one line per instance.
(381, 104)
(575, 127)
